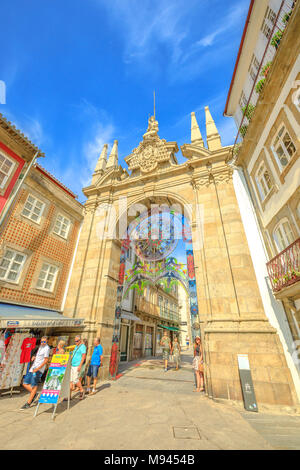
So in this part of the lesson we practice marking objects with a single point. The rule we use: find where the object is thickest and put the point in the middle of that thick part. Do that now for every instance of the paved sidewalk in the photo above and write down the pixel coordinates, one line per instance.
(146, 408)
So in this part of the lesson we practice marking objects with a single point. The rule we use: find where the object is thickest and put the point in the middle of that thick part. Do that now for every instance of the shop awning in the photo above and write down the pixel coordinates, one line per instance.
(129, 316)
(172, 328)
(19, 316)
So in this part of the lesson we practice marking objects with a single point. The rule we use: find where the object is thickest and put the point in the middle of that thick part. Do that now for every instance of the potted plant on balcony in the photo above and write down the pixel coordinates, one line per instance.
(276, 39)
(243, 130)
(286, 17)
(265, 69)
(260, 85)
(248, 111)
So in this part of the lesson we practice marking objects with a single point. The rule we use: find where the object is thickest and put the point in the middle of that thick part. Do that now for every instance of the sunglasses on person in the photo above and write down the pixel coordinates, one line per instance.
(43, 342)
(77, 340)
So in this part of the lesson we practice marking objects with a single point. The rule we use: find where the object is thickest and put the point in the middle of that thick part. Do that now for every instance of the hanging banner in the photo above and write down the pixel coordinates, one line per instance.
(246, 382)
(57, 382)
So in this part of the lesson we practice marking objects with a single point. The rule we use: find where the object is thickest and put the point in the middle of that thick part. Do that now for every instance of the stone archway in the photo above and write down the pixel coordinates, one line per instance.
(232, 318)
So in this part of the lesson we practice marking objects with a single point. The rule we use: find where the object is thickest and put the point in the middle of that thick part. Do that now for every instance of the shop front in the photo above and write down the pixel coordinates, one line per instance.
(148, 341)
(21, 329)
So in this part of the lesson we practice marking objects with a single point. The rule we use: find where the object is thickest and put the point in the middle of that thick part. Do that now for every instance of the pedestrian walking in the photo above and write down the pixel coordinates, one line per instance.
(32, 378)
(78, 358)
(198, 364)
(166, 346)
(175, 351)
(95, 363)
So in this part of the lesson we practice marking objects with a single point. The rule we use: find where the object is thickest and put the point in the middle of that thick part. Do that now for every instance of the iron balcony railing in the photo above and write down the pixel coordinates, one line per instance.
(169, 314)
(274, 38)
(284, 269)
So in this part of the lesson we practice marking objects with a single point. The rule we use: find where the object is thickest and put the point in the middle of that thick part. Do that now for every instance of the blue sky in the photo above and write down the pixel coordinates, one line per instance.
(81, 73)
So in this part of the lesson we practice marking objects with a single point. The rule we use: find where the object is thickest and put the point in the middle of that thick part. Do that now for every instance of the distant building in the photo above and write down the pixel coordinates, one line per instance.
(144, 317)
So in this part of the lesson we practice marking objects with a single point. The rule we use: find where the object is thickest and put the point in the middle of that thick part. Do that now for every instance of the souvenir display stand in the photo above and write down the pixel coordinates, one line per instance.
(57, 382)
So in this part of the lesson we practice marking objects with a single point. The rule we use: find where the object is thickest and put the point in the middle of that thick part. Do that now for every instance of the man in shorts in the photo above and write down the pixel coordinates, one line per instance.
(36, 371)
(78, 358)
(166, 346)
(94, 366)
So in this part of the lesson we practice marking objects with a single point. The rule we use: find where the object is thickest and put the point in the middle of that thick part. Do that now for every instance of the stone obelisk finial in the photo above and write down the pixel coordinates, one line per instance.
(212, 134)
(113, 157)
(196, 137)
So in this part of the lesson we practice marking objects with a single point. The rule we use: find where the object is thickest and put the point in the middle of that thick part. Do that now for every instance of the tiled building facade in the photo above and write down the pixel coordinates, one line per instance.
(38, 243)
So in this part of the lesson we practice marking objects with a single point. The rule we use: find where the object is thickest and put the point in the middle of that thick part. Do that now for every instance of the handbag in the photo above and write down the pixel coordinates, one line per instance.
(201, 366)
(171, 358)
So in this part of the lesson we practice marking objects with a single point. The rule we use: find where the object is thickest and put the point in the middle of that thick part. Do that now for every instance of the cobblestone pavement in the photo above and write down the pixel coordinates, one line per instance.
(146, 408)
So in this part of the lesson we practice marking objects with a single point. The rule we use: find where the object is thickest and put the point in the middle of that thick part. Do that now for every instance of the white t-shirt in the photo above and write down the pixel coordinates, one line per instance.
(43, 352)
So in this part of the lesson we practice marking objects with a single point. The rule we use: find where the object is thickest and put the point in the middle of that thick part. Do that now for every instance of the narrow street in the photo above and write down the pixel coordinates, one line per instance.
(146, 408)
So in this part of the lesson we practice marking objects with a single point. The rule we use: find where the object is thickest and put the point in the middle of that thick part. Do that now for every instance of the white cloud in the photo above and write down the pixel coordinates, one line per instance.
(98, 129)
(149, 24)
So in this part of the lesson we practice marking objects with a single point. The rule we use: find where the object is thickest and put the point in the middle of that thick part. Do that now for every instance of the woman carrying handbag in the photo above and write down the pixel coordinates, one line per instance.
(198, 364)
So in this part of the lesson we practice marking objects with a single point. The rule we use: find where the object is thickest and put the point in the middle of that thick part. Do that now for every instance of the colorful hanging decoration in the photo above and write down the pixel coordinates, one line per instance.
(154, 237)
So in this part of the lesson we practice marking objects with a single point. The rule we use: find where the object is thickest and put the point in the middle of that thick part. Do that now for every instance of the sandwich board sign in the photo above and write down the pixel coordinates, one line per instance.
(247, 384)
(57, 383)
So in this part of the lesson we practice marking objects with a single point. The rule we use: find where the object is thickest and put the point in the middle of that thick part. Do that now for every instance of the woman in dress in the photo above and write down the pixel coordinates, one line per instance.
(198, 364)
(175, 351)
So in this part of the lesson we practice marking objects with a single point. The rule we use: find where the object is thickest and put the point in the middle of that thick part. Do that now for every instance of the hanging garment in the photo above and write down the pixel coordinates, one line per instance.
(26, 348)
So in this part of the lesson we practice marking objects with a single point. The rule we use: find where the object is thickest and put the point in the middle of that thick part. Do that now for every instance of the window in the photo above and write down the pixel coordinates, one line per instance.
(254, 67)
(6, 167)
(160, 304)
(11, 265)
(47, 277)
(264, 181)
(267, 31)
(33, 209)
(243, 100)
(283, 234)
(62, 226)
(283, 147)
(272, 16)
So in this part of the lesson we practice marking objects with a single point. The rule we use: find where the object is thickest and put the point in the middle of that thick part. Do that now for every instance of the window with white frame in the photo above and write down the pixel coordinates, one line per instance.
(272, 16)
(283, 234)
(243, 100)
(263, 181)
(62, 226)
(254, 67)
(6, 168)
(11, 265)
(283, 147)
(267, 31)
(47, 277)
(33, 208)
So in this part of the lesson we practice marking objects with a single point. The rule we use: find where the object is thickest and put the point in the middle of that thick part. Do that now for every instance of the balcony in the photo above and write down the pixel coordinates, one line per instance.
(258, 74)
(169, 314)
(144, 306)
(284, 269)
